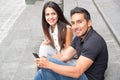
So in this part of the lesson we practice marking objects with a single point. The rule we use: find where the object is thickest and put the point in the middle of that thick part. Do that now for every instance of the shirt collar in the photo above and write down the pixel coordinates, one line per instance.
(87, 35)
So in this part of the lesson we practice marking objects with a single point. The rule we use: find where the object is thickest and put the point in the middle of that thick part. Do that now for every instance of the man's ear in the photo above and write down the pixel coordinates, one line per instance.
(89, 23)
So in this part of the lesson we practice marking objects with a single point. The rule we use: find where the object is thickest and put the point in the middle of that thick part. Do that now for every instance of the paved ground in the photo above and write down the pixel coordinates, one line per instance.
(23, 38)
(21, 34)
(110, 10)
(8, 15)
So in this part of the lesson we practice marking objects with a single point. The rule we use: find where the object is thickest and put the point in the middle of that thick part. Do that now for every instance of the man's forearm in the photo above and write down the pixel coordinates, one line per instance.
(60, 57)
(69, 71)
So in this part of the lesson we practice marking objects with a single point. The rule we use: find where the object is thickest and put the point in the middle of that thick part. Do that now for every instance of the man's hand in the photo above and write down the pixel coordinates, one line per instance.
(42, 62)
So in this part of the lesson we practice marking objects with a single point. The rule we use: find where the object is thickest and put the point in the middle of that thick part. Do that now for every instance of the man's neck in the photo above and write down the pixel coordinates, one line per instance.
(85, 34)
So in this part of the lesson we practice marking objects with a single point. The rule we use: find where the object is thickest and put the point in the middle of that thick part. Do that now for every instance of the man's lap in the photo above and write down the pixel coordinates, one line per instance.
(46, 74)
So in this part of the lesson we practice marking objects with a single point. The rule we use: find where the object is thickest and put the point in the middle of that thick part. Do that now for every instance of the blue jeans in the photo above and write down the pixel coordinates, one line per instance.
(46, 74)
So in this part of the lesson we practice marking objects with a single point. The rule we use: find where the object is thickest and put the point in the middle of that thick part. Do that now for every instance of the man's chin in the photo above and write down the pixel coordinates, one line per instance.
(78, 35)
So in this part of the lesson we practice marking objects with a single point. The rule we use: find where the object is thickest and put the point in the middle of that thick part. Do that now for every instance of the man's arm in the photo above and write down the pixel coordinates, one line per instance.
(83, 63)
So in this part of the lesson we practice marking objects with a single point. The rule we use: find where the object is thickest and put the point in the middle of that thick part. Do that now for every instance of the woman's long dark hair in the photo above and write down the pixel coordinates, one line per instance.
(61, 23)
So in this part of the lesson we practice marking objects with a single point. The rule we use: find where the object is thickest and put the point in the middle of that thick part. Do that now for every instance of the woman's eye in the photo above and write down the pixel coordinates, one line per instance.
(46, 14)
(53, 14)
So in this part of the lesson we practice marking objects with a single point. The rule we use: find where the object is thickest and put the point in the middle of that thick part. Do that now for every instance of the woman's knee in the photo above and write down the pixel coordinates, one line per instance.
(57, 61)
(46, 50)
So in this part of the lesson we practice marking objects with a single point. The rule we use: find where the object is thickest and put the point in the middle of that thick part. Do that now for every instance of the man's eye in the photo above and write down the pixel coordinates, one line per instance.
(79, 21)
(72, 23)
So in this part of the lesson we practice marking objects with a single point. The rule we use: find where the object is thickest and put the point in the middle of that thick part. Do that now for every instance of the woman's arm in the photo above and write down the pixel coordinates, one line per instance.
(69, 36)
(46, 41)
(66, 55)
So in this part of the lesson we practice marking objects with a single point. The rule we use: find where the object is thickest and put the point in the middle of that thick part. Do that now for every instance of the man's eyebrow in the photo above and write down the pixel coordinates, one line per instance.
(72, 21)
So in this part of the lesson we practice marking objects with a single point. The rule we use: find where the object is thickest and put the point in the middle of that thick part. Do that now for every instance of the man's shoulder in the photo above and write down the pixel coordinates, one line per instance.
(95, 36)
(95, 39)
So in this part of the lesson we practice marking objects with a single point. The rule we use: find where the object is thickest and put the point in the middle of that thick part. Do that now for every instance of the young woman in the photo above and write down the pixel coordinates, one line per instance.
(57, 30)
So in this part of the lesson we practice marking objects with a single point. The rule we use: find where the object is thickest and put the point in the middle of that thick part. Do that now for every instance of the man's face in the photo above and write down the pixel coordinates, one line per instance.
(79, 24)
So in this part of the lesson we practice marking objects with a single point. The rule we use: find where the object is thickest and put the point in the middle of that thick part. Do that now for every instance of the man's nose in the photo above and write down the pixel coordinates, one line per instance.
(75, 25)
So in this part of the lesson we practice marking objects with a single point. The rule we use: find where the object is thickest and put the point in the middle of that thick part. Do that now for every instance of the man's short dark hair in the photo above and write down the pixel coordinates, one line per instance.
(82, 11)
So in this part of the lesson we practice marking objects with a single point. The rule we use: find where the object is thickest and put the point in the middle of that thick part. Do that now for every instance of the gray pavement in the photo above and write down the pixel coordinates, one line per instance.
(24, 35)
(110, 10)
(9, 12)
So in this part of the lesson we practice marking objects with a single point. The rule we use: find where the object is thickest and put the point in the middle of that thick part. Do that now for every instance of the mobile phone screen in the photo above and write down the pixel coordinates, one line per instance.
(35, 55)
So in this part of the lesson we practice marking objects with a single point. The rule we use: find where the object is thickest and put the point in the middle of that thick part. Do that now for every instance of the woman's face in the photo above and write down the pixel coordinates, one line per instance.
(51, 16)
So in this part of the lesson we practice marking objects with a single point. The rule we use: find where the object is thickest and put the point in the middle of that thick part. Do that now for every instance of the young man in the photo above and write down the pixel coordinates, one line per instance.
(90, 48)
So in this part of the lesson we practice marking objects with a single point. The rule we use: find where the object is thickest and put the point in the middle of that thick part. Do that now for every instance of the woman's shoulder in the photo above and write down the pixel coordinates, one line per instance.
(68, 26)
(69, 29)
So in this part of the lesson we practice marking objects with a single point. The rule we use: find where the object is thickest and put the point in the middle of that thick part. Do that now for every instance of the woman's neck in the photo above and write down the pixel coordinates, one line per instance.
(52, 28)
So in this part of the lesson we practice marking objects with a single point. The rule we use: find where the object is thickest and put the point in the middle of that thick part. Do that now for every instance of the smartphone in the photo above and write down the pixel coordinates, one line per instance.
(35, 55)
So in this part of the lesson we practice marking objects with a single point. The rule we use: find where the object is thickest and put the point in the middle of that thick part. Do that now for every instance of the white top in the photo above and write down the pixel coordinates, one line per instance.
(54, 36)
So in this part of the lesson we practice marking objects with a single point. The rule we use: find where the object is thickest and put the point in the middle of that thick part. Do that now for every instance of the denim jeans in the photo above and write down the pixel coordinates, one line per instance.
(46, 74)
